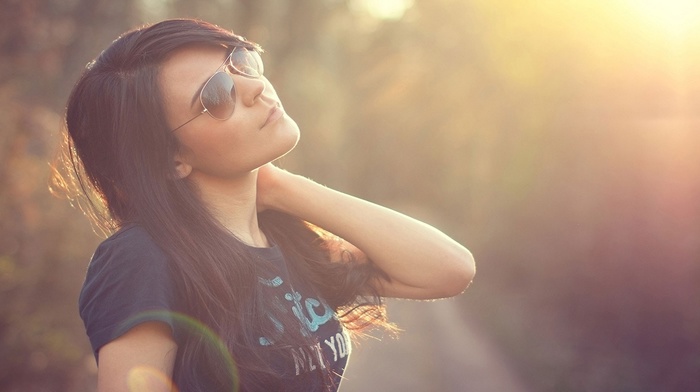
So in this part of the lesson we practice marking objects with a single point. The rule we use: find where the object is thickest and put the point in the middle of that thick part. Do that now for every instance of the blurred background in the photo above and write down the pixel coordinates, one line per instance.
(558, 139)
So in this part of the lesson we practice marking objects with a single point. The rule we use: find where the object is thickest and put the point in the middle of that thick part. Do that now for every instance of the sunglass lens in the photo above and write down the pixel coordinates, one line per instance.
(219, 96)
(247, 62)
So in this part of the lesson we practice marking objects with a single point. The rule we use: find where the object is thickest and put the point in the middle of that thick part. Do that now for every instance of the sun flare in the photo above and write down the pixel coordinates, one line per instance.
(675, 17)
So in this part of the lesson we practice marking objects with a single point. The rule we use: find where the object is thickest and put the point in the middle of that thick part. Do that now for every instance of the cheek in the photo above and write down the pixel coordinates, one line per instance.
(176, 105)
(214, 146)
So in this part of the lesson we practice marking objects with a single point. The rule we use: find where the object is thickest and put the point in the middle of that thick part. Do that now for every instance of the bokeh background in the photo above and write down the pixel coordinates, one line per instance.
(558, 139)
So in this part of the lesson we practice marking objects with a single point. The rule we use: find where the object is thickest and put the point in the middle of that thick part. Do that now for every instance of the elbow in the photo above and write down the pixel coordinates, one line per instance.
(446, 274)
(460, 270)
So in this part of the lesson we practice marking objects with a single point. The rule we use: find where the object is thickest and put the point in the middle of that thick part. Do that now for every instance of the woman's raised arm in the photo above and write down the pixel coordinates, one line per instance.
(421, 261)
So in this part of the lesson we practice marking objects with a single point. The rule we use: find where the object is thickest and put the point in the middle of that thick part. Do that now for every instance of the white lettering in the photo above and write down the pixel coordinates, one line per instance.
(298, 361)
(311, 363)
(342, 347)
(319, 354)
(331, 344)
(305, 361)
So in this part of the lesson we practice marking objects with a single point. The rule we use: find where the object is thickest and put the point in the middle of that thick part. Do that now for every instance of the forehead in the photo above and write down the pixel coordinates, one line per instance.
(184, 72)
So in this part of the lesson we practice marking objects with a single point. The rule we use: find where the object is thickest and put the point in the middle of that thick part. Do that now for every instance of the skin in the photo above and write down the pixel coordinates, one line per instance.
(230, 161)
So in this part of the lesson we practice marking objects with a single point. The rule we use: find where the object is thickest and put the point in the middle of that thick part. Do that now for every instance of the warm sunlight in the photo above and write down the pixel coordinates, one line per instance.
(383, 9)
(674, 17)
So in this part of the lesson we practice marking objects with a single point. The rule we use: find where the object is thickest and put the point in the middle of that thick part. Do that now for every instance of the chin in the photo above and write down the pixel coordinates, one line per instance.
(292, 131)
(285, 142)
(290, 146)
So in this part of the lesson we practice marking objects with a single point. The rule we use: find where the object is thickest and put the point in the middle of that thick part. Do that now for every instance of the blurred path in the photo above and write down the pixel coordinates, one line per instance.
(437, 352)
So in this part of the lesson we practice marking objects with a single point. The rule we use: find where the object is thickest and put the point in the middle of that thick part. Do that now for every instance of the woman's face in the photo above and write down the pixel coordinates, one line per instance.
(258, 132)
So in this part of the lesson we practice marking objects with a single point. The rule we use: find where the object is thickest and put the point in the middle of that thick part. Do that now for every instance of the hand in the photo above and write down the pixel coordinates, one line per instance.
(269, 180)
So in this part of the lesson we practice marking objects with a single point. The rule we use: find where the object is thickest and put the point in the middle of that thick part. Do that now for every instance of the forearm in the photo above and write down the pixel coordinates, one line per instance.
(421, 261)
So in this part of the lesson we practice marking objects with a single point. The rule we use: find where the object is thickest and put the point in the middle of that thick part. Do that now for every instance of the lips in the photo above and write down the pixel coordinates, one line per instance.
(274, 114)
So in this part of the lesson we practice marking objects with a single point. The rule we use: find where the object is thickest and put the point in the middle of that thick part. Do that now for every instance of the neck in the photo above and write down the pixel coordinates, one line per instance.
(232, 201)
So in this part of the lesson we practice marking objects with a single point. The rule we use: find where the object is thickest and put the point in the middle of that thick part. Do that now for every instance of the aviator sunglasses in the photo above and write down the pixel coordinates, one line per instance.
(218, 94)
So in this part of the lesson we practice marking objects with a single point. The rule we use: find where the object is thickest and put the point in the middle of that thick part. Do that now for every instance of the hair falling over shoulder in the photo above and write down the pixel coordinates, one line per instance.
(116, 164)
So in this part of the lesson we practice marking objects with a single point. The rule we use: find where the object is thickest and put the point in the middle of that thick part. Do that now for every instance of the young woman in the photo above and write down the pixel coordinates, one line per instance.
(221, 273)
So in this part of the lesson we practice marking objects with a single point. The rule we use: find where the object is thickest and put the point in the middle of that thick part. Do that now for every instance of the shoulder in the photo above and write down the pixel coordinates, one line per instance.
(128, 279)
(128, 256)
(130, 250)
(132, 240)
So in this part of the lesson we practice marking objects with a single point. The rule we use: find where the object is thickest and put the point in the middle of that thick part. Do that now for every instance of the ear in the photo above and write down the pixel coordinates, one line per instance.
(182, 169)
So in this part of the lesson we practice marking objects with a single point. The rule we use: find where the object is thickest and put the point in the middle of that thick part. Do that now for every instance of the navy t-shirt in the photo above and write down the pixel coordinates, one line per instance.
(129, 282)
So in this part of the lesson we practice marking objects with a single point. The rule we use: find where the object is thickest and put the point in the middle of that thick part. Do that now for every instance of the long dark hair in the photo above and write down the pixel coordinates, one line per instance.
(119, 156)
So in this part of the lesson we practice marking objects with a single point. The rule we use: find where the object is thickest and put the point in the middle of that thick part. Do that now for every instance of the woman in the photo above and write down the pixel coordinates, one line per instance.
(221, 273)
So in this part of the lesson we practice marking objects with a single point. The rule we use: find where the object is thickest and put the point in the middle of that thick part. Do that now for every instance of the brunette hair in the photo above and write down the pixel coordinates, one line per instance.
(119, 158)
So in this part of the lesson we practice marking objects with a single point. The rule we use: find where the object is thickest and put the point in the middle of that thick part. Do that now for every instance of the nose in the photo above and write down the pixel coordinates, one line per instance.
(249, 89)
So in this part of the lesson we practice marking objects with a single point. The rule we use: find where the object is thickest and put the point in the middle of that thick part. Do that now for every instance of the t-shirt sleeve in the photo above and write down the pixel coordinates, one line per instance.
(128, 282)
